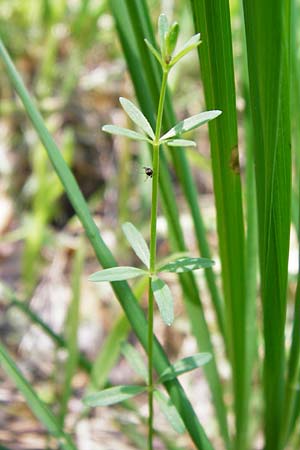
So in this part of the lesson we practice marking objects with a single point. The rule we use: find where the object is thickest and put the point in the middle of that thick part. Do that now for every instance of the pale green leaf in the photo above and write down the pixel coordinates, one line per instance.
(135, 360)
(137, 242)
(180, 143)
(186, 264)
(113, 395)
(154, 51)
(164, 299)
(137, 116)
(184, 365)
(188, 47)
(163, 27)
(119, 131)
(169, 411)
(117, 274)
(190, 123)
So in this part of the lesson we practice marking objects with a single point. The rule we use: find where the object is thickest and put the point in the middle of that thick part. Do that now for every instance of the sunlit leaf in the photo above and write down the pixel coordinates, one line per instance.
(119, 131)
(137, 116)
(164, 299)
(117, 274)
(137, 242)
(186, 264)
(169, 411)
(190, 123)
(135, 360)
(184, 365)
(180, 143)
(113, 395)
(163, 27)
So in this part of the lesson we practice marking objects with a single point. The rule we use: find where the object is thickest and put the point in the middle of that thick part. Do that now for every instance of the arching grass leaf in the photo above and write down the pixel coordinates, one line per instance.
(190, 123)
(135, 360)
(169, 411)
(184, 365)
(164, 299)
(137, 116)
(117, 274)
(113, 395)
(186, 264)
(137, 242)
(119, 131)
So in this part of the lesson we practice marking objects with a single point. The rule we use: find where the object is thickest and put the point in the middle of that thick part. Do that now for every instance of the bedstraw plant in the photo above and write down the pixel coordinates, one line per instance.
(158, 290)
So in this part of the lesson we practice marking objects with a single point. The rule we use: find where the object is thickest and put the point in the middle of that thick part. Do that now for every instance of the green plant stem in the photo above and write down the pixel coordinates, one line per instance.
(154, 202)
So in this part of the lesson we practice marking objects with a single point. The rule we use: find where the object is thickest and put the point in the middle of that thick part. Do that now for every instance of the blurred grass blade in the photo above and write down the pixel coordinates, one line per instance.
(169, 412)
(268, 66)
(137, 242)
(111, 396)
(135, 360)
(216, 60)
(185, 365)
(127, 14)
(38, 408)
(56, 338)
(104, 256)
(72, 325)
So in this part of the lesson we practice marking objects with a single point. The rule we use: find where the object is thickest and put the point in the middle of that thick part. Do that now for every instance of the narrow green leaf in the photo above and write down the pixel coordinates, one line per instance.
(117, 274)
(153, 51)
(190, 123)
(39, 409)
(119, 131)
(163, 27)
(113, 395)
(186, 264)
(184, 365)
(164, 299)
(171, 38)
(137, 242)
(169, 411)
(180, 143)
(137, 116)
(135, 360)
(188, 47)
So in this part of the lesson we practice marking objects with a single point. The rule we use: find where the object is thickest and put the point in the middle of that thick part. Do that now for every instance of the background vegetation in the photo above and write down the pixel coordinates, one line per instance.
(235, 199)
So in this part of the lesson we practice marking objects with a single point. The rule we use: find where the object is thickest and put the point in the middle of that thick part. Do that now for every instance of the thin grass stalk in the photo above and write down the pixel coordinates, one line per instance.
(104, 256)
(39, 409)
(135, 57)
(269, 93)
(213, 21)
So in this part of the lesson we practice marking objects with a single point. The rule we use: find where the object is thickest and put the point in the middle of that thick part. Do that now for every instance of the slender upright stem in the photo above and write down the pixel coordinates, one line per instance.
(154, 201)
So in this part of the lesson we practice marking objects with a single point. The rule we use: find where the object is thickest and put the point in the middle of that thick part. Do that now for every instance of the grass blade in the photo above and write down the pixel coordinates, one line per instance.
(38, 408)
(269, 95)
(216, 60)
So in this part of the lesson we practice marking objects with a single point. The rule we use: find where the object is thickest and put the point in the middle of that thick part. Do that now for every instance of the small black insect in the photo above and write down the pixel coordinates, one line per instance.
(148, 172)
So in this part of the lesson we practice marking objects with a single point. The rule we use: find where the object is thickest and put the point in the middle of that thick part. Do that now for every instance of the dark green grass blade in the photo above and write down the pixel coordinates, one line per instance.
(132, 21)
(213, 21)
(121, 289)
(267, 49)
(38, 407)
